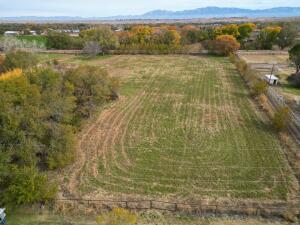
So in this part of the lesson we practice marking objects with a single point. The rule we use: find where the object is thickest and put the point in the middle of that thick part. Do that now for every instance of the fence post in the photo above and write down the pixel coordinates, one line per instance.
(175, 207)
(257, 211)
(126, 204)
(151, 204)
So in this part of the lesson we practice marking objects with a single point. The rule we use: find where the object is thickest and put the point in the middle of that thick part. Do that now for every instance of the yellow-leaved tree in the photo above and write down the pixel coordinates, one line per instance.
(230, 29)
(268, 36)
(11, 74)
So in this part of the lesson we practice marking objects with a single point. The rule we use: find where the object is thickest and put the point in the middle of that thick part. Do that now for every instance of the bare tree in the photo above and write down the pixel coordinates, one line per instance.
(91, 48)
(8, 44)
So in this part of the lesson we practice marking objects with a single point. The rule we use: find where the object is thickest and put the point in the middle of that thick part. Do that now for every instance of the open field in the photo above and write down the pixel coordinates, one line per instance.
(184, 126)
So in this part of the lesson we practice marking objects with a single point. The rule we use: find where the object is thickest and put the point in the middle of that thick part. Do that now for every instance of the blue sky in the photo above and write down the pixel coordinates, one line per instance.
(100, 8)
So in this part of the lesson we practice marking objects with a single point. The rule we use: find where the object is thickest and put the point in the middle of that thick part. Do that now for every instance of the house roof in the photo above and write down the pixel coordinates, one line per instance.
(11, 32)
(271, 77)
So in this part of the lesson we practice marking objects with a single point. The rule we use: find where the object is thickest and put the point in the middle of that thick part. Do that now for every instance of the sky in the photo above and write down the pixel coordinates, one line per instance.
(102, 8)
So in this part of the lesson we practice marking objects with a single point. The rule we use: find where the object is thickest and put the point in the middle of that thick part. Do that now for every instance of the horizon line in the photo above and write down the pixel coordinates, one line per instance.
(141, 14)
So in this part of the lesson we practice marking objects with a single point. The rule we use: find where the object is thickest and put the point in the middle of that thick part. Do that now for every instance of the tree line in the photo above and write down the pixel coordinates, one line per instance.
(167, 39)
(164, 38)
(40, 112)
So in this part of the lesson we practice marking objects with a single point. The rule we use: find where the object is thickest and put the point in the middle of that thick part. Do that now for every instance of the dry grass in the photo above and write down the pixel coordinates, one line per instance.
(267, 59)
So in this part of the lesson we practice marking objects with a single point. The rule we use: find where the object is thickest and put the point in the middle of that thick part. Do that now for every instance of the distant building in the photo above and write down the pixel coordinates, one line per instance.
(33, 32)
(11, 33)
(271, 79)
(74, 33)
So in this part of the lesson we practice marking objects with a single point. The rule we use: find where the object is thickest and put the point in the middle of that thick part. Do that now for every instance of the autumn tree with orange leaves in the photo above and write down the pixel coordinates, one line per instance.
(226, 44)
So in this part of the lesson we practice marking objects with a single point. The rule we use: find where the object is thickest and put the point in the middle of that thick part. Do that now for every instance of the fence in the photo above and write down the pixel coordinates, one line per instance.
(277, 100)
(71, 52)
(261, 52)
(201, 208)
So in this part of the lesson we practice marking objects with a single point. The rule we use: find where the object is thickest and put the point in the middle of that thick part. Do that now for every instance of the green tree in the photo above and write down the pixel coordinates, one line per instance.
(245, 31)
(268, 37)
(25, 186)
(19, 59)
(20, 132)
(286, 37)
(92, 87)
(56, 40)
(57, 105)
(103, 35)
(295, 57)
(19, 129)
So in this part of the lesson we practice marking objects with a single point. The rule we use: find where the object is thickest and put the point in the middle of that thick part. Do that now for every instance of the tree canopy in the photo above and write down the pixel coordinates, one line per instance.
(104, 36)
(226, 44)
(19, 59)
(40, 111)
(268, 37)
(295, 57)
(286, 37)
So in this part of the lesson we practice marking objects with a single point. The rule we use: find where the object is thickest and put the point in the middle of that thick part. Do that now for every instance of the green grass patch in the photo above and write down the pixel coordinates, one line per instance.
(31, 38)
(34, 215)
(291, 89)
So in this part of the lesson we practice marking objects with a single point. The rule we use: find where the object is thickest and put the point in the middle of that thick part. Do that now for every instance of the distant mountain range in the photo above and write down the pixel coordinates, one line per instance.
(207, 12)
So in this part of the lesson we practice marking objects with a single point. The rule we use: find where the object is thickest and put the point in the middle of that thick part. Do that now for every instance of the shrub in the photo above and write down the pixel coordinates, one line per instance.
(27, 186)
(91, 48)
(294, 79)
(260, 87)
(117, 216)
(2, 58)
(11, 74)
(226, 44)
(92, 87)
(19, 59)
(281, 118)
